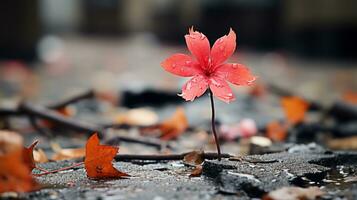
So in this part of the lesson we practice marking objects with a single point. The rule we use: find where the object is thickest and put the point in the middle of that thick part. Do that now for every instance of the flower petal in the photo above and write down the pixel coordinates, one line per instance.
(199, 46)
(194, 87)
(236, 73)
(223, 48)
(181, 65)
(221, 89)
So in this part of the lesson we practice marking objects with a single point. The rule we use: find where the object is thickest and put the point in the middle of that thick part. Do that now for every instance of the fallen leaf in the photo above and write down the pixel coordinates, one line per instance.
(66, 111)
(40, 156)
(15, 175)
(348, 143)
(350, 97)
(174, 126)
(27, 156)
(294, 193)
(276, 131)
(258, 90)
(9, 141)
(137, 117)
(197, 171)
(294, 108)
(98, 160)
(65, 154)
(194, 158)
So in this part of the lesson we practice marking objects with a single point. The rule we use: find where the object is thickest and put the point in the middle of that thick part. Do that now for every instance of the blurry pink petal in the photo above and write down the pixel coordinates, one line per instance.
(221, 89)
(223, 48)
(181, 65)
(195, 87)
(199, 46)
(236, 73)
(247, 127)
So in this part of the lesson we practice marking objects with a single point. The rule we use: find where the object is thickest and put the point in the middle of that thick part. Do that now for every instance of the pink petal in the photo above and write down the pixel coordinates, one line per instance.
(181, 65)
(236, 73)
(199, 46)
(194, 87)
(221, 89)
(223, 48)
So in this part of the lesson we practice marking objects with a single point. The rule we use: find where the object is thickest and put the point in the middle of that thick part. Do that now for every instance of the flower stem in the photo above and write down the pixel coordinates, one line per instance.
(214, 125)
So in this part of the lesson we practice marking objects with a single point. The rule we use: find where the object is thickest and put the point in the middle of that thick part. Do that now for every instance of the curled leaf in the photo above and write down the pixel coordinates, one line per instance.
(27, 156)
(197, 171)
(98, 160)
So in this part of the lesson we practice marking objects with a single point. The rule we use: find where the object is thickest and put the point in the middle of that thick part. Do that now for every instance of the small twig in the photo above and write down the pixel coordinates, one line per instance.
(86, 95)
(130, 157)
(61, 169)
(41, 169)
(53, 116)
(76, 125)
(213, 123)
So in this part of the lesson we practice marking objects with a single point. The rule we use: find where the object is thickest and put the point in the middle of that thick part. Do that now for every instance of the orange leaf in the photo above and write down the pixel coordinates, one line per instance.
(258, 90)
(65, 111)
(294, 108)
(276, 132)
(98, 160)
(174, 126)
(15, 175)
(27, 156)
(350, 97)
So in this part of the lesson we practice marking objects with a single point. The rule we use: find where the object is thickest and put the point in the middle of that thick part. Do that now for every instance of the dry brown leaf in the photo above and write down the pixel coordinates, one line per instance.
(276, 131)
(349, 143)
(137, 117)
(40, 156)
(294, 193)
(197, 171)
(65, 154)
(174, 126)
(194, 158)
(294, 108)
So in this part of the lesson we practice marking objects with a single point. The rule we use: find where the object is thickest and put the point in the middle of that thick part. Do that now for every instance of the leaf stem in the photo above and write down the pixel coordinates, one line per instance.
(214, 125)
(61, 169)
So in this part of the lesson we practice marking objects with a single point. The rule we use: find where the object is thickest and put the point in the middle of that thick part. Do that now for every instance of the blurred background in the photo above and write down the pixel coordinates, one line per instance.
(49, 48)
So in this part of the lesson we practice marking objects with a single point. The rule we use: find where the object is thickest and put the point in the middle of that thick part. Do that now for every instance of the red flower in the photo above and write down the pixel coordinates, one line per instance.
(208, 68)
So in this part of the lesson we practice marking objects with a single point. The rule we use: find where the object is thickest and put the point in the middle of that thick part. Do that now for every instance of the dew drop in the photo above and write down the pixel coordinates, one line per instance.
(188, 62)
(174, 65)
(234, 66)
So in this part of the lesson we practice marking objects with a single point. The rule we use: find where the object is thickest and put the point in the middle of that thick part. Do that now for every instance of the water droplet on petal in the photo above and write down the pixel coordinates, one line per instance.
(234, 66)
(188, 62)
(174, 65)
